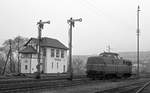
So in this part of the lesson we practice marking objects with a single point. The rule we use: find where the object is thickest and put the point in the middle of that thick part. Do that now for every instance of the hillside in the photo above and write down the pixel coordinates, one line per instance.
(144, 56)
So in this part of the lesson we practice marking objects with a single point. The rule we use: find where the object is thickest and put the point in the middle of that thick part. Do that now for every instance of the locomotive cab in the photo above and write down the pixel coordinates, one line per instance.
(111, 55)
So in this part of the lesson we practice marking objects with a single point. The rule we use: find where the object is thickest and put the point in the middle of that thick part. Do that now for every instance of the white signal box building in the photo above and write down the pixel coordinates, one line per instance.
(53, 56)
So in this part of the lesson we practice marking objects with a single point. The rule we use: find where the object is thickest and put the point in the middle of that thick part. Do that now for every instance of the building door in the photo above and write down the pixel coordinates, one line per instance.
(64, 68)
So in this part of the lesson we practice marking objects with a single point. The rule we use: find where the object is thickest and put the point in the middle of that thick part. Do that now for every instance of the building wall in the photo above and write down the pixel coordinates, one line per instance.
(48, 64)
(25, 65)
(34, 63)
(55, 64)
(28, 63)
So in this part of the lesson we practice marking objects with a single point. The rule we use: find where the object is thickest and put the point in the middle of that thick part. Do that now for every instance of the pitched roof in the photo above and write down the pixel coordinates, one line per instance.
(49, 42)
(28, 49)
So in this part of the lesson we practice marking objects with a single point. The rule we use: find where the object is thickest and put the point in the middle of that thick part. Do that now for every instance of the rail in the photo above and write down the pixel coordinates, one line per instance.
(142, 88)
(131, 87)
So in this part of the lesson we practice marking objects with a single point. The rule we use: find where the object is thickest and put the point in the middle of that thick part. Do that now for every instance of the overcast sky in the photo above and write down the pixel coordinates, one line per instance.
(105, 22)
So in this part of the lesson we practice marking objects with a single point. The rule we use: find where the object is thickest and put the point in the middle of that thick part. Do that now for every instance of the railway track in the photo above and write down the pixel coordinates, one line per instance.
(21, 87)
(46, 78)
(8, 86)
(135, 87)
(143, 87)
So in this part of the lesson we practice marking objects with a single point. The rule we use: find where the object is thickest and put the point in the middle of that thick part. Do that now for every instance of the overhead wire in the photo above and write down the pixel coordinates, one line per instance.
(92, 6)
(99, 12)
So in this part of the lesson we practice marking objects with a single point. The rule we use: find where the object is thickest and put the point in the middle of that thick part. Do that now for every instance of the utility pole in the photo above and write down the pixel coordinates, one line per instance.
(71, 22)
(8, 58)
(11, 65)
(138, 32)
(40, 27)
(3, 72)
(18, 57)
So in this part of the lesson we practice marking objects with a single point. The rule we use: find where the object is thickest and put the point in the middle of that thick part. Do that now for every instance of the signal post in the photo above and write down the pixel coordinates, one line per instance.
(71, 23)
(40, 27)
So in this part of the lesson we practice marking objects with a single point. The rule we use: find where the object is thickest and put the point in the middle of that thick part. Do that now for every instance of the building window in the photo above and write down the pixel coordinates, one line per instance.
(57, 65)
(44, 51)
(62, 53)
(34, 55)
(52, 65)
(57, 53)
(26, 67)
(52, 52)
(26, 61)
(26, 55)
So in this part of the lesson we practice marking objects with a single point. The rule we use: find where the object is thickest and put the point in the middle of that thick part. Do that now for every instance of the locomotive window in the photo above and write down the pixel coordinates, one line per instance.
(109, 55)
(115, 57)
(113, 62)
(103, 55)
(119, 57)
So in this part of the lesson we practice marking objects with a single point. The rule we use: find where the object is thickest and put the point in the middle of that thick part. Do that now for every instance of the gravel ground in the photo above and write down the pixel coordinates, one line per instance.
(86, 88)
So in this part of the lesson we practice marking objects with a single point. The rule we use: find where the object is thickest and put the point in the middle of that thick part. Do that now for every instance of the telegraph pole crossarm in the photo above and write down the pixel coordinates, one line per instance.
(40, 27)
(71, 23)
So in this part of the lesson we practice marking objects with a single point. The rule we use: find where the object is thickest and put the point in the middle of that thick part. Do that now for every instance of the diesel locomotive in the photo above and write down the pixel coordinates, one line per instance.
(108, 65)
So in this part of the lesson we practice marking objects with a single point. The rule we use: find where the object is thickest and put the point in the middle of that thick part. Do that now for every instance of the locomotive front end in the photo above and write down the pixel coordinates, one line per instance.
(95, 67)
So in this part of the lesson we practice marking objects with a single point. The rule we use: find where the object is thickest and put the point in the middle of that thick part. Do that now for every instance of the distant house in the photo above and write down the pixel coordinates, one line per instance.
(53, 56)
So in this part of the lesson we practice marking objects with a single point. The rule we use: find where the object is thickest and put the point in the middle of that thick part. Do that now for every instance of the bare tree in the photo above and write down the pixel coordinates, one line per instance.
(19, 42)
(78, 65)
(15, 45)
